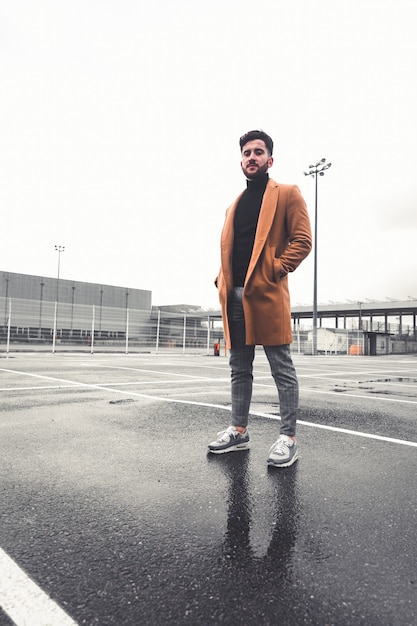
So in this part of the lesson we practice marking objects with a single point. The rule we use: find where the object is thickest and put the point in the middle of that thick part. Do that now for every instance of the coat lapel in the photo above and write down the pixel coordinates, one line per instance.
(227, 243)
(266, 217)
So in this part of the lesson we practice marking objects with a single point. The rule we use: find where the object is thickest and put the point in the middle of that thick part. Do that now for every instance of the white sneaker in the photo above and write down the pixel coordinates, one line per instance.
(283, 452)
(229, 440)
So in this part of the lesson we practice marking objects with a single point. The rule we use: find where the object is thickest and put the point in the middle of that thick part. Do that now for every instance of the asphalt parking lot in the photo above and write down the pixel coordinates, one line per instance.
(113, 513)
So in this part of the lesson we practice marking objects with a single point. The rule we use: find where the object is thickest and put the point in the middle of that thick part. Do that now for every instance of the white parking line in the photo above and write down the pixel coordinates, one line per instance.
(24, 602)
(221, 406)
(346, 394)
(356, 433)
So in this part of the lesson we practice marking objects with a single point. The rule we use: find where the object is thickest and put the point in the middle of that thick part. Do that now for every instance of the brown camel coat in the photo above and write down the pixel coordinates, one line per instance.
(282, 241)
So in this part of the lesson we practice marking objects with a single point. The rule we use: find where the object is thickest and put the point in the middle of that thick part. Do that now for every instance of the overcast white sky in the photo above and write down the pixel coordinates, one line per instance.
(119, 128)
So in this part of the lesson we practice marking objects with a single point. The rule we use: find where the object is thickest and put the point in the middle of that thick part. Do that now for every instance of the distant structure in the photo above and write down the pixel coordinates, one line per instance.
(38, 309)
(45, 289)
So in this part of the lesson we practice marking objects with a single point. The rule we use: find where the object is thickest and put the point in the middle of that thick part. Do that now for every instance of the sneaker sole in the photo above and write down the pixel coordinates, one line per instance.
(272, 463)
(242, 446)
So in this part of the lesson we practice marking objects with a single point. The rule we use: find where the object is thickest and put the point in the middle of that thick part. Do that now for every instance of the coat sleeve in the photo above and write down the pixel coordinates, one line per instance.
(299, 242)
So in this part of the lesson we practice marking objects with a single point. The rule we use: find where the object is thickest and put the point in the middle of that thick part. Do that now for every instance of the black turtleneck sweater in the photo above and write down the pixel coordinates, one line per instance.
(245, 223)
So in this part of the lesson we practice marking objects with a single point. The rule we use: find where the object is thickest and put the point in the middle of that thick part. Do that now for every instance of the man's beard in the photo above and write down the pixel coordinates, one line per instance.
(257, 173)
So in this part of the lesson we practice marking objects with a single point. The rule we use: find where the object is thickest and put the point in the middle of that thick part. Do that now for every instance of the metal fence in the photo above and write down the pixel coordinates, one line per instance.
(61, 326)
(56, 326)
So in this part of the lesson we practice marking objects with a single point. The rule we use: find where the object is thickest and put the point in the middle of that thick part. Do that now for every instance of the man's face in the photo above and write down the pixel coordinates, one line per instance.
(255, 159)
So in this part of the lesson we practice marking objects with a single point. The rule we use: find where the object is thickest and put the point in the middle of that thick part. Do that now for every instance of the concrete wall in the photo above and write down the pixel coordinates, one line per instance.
(40, 288)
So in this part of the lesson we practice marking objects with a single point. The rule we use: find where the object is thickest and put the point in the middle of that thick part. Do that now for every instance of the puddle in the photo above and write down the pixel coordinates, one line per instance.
(395, 379)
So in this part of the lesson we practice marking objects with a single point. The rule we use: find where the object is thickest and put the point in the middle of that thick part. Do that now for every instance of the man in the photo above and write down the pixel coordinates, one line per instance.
(266, 235)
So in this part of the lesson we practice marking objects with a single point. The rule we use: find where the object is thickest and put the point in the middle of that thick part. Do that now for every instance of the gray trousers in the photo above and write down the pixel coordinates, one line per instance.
(241, 364)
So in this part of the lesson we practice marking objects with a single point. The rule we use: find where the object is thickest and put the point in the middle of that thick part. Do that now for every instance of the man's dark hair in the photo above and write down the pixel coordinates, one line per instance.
(257, 134)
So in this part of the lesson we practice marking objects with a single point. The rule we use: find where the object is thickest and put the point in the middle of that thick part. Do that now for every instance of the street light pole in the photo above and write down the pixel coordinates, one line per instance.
(58, 249)
(316, 170)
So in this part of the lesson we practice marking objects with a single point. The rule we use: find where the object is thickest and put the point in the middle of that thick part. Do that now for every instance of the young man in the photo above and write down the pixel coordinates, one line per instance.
(265, 236)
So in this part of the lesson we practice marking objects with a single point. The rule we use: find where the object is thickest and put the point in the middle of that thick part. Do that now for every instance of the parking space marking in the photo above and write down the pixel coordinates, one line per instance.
(346, 431)
(23, 601)
(100, 387)
(40, 387)
(346, 394)
(148, 371)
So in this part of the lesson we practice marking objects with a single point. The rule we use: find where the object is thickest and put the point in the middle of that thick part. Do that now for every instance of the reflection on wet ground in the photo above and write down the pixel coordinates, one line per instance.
(257, 553)
(241, 531)
(399, 386)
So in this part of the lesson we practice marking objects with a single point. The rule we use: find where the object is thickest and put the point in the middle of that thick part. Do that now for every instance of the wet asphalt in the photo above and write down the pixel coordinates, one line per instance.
(111, 503)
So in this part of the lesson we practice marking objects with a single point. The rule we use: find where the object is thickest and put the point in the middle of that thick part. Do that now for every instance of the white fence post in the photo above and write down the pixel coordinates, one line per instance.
(8, 326)
(55, 325)
(298, 337)
(208, 335)
(92, 329)
(127, 331)
(157, 331)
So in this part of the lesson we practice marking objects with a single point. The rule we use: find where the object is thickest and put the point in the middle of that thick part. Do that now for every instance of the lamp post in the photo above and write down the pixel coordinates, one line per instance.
(58, 249)
(316, 170)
